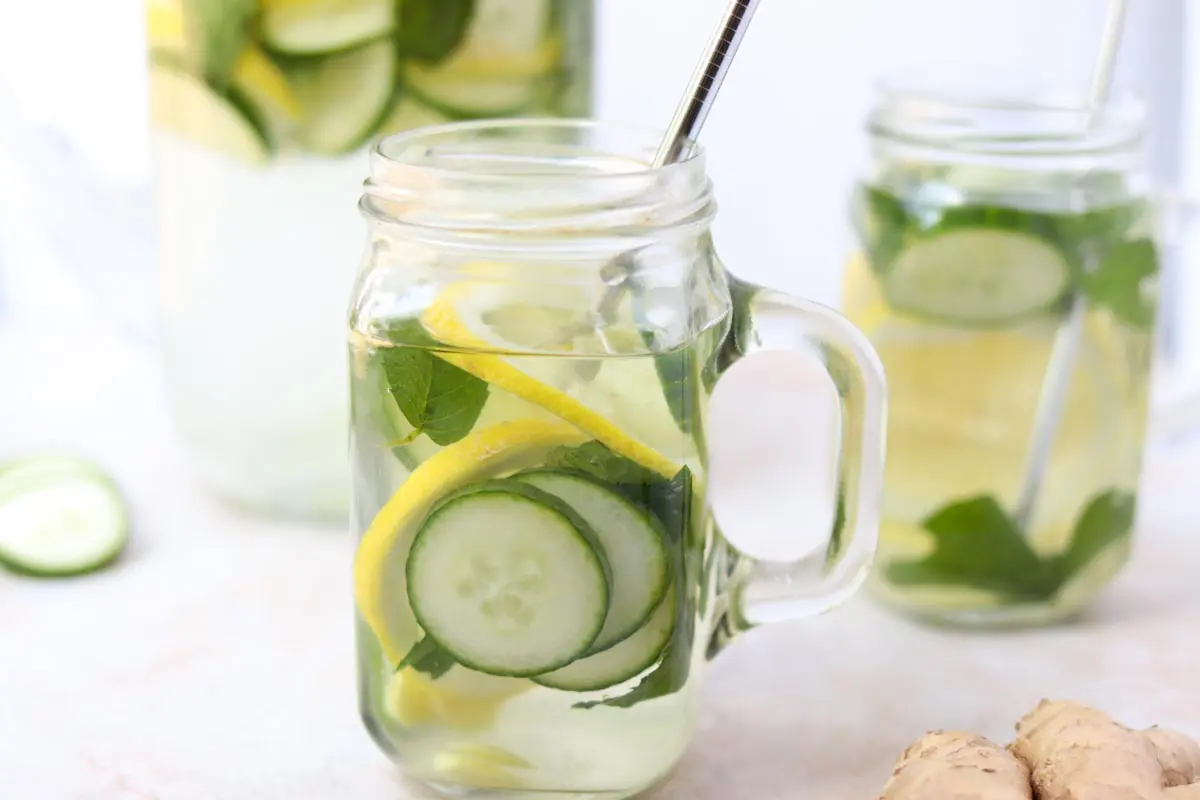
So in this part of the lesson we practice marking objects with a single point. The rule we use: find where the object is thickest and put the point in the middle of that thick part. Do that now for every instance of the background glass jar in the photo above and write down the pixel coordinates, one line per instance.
(536, 332)
(986, 215)
(262, 110)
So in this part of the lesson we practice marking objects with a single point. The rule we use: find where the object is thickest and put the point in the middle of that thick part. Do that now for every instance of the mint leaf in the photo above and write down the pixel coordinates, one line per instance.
(976, 545)
(671, 502)
(668, 677)
(1108, 518)
(427, 656)
(436, 397)
(1119, 283)
(431, 30)
(595, 459)
(676, 372)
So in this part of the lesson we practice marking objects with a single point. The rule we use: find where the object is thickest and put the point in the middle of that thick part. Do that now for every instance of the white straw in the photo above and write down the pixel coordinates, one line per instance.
(1066, 343)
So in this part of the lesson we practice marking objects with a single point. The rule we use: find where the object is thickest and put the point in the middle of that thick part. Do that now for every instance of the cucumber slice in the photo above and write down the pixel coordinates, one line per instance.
(186, 106)
(470, 97)
(311, 27)
(977, 277)
(500, 67)
(59, 518)
(508, 580)
(344, 98)
(632, 539)
(622, 661)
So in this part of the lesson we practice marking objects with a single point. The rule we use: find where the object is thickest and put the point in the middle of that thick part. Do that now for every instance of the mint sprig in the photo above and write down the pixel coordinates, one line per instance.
(437, 398)
(1121, 283)
(977, 545)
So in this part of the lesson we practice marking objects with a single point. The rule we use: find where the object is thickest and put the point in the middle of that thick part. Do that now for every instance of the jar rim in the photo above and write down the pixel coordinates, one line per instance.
(388, 149)
(535, 177)
(986, 111)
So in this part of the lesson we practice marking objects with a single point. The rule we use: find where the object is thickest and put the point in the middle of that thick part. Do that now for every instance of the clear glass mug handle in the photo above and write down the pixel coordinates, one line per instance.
(768, 591)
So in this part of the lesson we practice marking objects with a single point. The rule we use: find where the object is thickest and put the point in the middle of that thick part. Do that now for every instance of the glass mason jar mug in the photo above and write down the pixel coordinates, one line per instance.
(262, 111)
(534, 335)
(1005, 272)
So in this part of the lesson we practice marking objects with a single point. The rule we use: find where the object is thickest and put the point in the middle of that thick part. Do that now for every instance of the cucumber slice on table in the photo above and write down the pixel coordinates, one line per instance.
(977, 277)
(312, 27)
(188, 107)
(632, 539)
(59, 517)
(508, 580)
(623, 660)
(344, 98)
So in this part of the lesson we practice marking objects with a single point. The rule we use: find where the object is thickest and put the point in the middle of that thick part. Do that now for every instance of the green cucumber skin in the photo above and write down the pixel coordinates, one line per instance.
(503, 486)
(17, 568)
(649, 658)
(460, 114)
(651, 521)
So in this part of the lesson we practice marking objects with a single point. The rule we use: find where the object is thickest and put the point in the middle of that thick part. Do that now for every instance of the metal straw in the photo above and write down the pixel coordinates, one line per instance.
(706, 81)
(684, 128)
(1053, 398)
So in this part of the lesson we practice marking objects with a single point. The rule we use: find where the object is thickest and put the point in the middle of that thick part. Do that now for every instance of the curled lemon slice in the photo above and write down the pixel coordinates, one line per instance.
(461, 699)
(380, 582)
(493, 325)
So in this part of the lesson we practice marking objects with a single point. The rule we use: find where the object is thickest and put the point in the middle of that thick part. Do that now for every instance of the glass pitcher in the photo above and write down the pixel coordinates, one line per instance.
(1003, 244)
(262, 111)
(535, 334)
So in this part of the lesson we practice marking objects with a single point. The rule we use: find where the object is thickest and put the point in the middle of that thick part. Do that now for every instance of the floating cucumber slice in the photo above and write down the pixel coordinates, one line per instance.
(632, 539)
(508, 579)
(977, 277)
(188, 107)
(499, 68)
(59, 517)
(467, 97)
(621, 662)
(343, 98)
(325, 26)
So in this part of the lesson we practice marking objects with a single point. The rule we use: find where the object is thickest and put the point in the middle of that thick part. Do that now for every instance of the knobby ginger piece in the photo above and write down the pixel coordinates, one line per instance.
(1178, 755)
(951, 765)
(1079, 753)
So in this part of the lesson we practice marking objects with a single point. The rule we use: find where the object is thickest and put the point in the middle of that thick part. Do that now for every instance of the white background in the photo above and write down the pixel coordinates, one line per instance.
(784, 136)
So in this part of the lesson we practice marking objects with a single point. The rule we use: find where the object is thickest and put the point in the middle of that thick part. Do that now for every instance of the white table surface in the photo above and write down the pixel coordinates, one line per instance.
(215, 661)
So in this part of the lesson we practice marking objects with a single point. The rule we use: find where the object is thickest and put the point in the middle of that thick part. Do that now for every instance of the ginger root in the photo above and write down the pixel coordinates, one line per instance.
(1078, 753)
(1063, 751)
(950, 765)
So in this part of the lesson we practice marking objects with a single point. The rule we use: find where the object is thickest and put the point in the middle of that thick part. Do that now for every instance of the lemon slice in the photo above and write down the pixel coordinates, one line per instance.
(164, 27)
(380, 582)
(961, 404)
(503, 319)
(462, 698)
(481, 765)
(264, 86)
